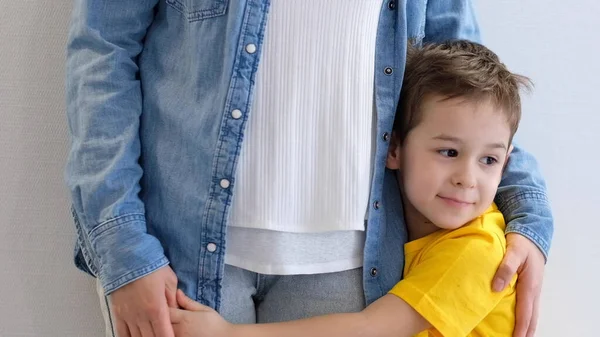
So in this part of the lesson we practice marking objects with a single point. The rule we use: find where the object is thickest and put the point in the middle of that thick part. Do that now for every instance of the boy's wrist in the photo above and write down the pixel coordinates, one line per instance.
(237, 330)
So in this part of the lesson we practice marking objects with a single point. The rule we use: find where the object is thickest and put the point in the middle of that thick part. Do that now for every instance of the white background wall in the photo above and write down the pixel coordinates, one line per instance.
(42, 294)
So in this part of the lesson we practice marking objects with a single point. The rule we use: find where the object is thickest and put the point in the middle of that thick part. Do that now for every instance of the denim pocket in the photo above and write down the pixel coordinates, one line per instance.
(196, 10)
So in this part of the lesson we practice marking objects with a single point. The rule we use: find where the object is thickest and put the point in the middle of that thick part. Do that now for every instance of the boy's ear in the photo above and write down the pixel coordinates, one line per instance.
(393, 160)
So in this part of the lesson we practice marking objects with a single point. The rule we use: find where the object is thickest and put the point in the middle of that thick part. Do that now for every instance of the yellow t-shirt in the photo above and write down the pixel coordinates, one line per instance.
(448, 280)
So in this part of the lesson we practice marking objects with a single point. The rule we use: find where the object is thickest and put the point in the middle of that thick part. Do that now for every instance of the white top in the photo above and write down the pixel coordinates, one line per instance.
(305, 165)
(283, 253)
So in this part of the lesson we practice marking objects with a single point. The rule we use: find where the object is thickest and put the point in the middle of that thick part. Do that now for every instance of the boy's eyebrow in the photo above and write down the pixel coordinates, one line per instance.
(497, 146)
(459, 141)
(447, 138)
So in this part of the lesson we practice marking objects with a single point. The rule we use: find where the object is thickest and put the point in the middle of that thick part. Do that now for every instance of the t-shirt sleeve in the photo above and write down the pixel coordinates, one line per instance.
(450, 285)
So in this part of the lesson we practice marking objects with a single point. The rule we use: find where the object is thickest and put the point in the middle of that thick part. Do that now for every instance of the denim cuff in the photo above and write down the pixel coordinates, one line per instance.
(542, 245)
(124, 251)
(528, 213)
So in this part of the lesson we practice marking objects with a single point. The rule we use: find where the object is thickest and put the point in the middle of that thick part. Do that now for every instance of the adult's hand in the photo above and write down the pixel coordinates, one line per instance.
(141, 308)
(525, 258)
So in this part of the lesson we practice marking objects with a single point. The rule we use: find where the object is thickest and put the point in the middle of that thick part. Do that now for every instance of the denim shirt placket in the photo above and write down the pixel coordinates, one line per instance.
(235, 116)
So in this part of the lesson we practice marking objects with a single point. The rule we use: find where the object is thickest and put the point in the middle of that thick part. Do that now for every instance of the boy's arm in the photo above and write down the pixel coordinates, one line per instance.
(389, 316)
(448, 289)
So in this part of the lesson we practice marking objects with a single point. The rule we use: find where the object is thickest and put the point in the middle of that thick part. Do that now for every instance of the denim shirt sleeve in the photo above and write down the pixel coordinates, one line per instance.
(450, 19)
(104, 103)
(523, 200)
(522, 194)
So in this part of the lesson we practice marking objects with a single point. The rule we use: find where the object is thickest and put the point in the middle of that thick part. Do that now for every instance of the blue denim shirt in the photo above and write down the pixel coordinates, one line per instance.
(151, 90)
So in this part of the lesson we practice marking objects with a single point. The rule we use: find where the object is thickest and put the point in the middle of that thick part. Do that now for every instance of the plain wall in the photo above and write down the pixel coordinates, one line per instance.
(42, 294)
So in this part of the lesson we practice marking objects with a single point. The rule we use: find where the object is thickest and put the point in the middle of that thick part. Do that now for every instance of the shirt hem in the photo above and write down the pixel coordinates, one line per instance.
(313, 268)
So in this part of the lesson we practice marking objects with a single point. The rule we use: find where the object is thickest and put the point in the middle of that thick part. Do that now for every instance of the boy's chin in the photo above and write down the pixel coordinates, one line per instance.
(452, 223)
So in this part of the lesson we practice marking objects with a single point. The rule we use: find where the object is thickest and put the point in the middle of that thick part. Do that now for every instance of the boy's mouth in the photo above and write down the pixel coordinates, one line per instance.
(455, 201)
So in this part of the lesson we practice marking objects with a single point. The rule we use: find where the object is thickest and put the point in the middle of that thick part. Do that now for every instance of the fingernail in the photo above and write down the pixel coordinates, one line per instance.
(498, 285)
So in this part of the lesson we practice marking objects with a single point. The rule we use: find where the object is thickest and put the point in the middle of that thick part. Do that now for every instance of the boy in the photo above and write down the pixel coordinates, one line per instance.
(459, 110)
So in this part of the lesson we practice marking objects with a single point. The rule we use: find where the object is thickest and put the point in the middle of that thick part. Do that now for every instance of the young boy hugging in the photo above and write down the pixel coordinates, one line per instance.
(459, 109)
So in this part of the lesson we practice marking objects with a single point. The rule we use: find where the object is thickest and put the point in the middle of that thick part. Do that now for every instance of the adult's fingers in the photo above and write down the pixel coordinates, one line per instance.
(524, 309)
(162, 325)
(534, 319)
(171, 295)
(146, 329)
(507, 270)
(134, 330)
(121, 328)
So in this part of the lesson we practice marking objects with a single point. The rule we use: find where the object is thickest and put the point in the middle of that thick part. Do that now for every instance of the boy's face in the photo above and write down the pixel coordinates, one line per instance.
(451, 163)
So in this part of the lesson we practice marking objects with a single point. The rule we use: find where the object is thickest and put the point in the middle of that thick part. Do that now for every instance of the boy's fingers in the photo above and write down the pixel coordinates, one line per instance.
(176, 315)
(187, 303)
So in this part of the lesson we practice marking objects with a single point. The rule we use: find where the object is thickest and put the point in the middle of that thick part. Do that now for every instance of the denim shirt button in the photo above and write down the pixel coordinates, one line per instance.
(211, 247)
(388, 71)
(251, 48)
(386, 136)
(224, 183)
(392, 5)
(236, 114)
(373, 272)
(376, 205)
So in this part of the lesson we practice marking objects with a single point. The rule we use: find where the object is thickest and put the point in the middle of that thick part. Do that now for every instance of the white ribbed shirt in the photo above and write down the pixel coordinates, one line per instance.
(304, 171)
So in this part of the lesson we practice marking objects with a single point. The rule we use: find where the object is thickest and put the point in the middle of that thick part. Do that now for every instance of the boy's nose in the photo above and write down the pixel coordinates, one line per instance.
(464, 176)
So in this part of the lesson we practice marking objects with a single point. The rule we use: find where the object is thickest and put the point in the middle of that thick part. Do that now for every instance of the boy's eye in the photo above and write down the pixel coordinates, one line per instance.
(448, 153)
(488, 160)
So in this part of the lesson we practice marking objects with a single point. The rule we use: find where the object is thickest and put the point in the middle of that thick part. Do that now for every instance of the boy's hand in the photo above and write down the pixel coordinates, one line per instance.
(141, 308)
(197, 320)
(522, 257)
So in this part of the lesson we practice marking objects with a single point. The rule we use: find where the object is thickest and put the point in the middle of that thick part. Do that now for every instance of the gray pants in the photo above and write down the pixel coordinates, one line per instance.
(256, 298)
